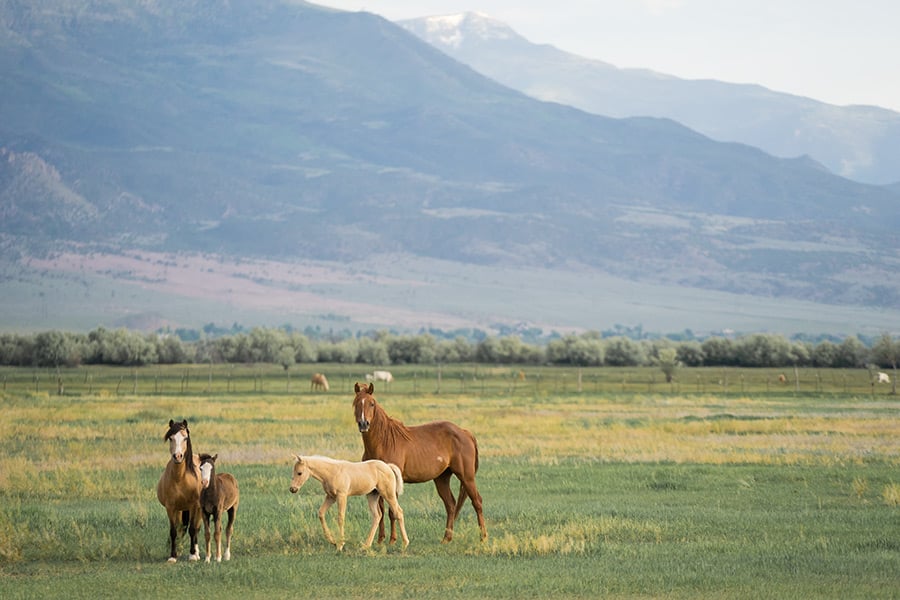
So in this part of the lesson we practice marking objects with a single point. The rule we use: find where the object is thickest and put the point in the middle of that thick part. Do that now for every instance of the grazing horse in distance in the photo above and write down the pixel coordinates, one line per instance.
(384, 376)
(431, 452)
(178, 489)
(782, 378)
(219, 494)
(318, 381)
(341, 479)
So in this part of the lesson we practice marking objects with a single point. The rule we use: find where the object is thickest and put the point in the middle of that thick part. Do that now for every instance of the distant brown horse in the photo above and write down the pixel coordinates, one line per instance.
(318, 381)
(433, 451)
(219, 494)
(178, 489)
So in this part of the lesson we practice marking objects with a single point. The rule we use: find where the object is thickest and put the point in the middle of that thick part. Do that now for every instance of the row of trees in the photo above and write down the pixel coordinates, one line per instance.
(278, 346)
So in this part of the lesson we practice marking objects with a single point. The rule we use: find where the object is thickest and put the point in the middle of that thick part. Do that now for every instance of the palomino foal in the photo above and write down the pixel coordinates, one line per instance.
(219, 494)
(341, 479)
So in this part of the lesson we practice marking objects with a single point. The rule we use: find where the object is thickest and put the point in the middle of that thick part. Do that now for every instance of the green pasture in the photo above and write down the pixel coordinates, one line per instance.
(596, 483)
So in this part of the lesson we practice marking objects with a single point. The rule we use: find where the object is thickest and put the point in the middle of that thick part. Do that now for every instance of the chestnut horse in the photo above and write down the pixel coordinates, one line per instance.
(430, 452)
(341, 479)
(219, 494)
(178, 489)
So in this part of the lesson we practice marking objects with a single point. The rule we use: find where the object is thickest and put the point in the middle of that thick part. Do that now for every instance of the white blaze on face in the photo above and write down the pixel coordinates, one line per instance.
(205, 473)
(177, 445)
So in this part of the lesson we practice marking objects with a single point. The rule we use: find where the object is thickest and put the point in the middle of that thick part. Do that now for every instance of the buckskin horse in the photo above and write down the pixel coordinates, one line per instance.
(430, 452)
(178, 489)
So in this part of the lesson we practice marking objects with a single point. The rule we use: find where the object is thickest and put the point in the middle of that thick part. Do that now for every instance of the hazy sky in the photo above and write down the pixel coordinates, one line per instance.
(836, 51)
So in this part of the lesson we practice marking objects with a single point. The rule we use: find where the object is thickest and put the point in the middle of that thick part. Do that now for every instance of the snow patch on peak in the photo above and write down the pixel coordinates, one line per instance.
(451, 30)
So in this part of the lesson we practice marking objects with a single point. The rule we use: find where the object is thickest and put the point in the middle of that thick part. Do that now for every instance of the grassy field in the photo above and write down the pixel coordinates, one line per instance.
(724, 485)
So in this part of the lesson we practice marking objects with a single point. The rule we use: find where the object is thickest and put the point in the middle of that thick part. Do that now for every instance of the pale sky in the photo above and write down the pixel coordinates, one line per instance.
(837, 51)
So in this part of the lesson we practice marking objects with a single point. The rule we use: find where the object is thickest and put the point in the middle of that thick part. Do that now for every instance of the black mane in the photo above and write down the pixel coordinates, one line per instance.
(175, 428)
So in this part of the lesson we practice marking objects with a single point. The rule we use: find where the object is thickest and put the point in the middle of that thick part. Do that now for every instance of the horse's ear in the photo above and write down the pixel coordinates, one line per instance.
(214, 457)
(295, 457)
(184, 423)
(356, 387)
(371, 388)
(171, 422)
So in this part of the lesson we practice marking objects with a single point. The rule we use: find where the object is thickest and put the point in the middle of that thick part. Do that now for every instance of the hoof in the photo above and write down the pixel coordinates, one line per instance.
(207, 559)
(228, 555)
(194, 557)
(172, 559)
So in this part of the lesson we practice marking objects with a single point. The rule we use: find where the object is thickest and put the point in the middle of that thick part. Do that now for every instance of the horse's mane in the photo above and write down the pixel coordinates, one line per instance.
(319, 457)
(394, 429)
(175, 428)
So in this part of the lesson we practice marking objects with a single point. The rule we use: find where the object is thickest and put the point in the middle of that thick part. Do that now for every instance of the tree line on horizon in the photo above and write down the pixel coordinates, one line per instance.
(591, 349)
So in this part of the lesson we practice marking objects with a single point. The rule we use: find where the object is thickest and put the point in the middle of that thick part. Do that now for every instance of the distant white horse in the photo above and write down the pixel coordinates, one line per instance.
(379, 376)
(341, 479)
(883, 378)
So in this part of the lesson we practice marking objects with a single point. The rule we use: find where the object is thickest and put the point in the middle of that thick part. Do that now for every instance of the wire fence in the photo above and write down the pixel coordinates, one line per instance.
(467, 379)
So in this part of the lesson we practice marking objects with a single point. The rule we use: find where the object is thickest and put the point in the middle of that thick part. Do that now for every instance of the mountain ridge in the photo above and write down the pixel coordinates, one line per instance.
(287, 131)
(858, 141)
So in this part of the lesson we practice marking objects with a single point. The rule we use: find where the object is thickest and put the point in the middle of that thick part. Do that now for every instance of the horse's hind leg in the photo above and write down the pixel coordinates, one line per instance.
(232, 513)
(185, 522)
(463, 494)
(469, 487)
(442, 483)
(373, 499)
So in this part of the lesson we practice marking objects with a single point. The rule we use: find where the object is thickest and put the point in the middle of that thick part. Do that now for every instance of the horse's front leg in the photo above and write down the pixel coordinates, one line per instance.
(342, 510)
(393, 518)
(206, 534)
(194, 529)
(329, 500)
(218, 535)
(376, 513)
(173, 535)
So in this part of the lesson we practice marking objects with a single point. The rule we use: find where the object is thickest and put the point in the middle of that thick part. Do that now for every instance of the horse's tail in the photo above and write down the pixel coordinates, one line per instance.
(398, 476)
(475, 444)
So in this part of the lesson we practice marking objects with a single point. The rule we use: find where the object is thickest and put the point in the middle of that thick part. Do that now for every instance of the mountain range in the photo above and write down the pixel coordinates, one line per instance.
(287, 132)
(858, 142)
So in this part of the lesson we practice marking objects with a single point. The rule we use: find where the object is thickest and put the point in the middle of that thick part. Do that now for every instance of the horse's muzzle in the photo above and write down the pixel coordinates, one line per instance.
(178, 458)
(363, 426)
(294, 490)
